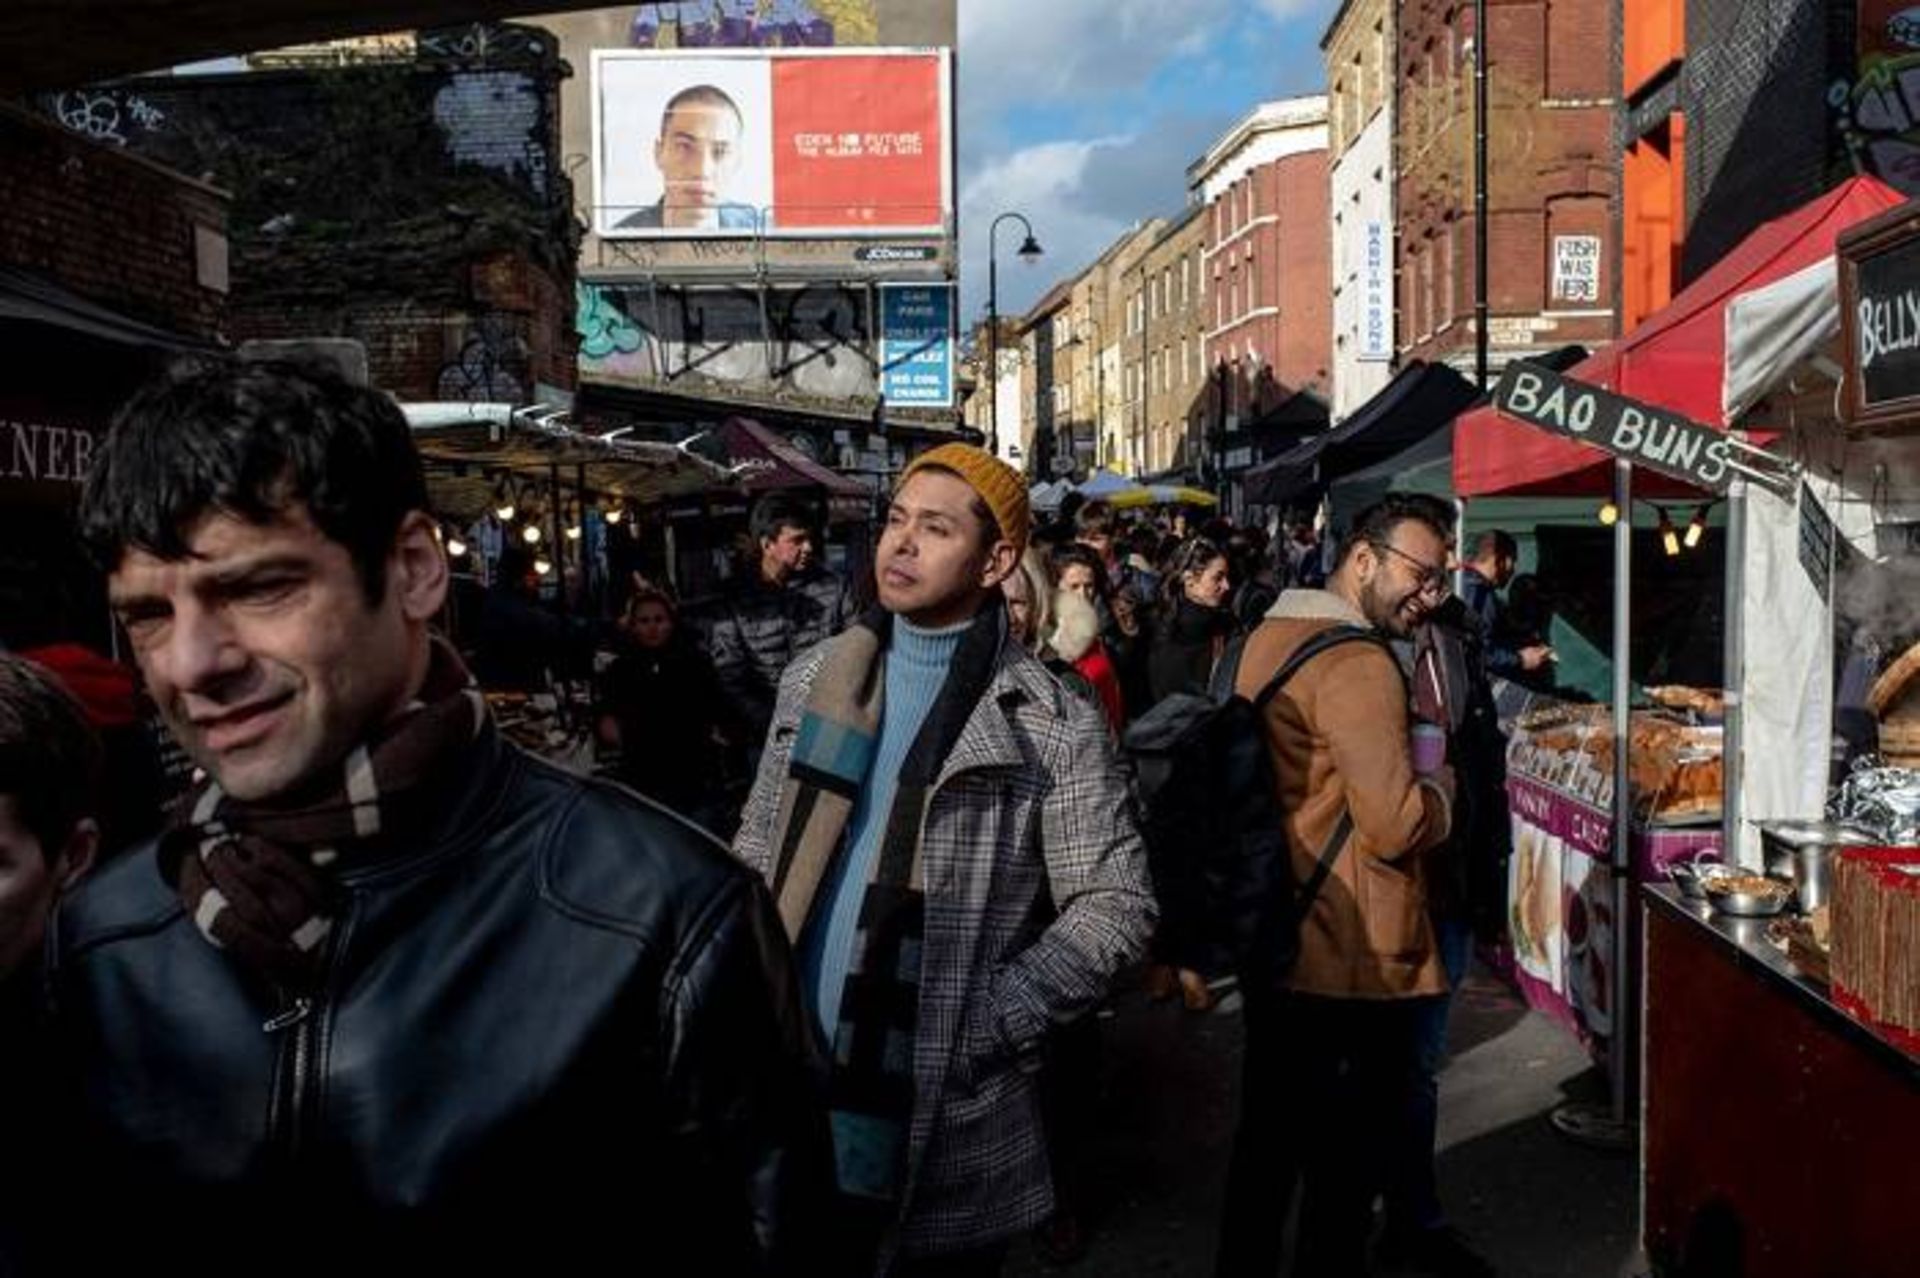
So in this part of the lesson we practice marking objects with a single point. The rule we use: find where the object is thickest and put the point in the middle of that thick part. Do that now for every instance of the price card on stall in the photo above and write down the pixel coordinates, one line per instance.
(1816, 543)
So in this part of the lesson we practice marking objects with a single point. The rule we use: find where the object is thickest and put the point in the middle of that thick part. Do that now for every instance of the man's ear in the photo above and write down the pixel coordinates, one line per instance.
(417, 567)
(1002, 559)
(75, 860)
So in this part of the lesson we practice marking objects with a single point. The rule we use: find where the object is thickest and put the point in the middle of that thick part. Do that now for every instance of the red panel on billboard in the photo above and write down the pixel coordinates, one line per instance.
(857, 142)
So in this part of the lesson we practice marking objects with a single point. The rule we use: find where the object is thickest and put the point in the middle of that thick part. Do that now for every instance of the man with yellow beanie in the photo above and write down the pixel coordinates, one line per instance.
(948, 834)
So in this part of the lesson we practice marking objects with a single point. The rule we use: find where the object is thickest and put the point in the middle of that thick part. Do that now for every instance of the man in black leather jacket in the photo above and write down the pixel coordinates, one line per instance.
(390, 991)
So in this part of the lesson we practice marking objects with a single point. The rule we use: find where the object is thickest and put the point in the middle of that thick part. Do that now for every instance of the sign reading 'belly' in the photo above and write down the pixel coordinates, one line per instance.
(1644, 434)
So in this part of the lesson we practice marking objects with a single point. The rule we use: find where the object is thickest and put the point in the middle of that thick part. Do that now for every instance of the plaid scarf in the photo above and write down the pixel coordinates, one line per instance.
(258, 879)
(872, 1088)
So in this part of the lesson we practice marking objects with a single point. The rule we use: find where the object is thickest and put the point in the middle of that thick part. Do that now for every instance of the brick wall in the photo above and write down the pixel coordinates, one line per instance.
(1302, 267)
(1552, 172)
(117, 231)
(418, 206)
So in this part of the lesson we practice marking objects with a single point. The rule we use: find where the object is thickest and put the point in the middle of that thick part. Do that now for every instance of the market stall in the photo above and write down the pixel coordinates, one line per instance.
(1642, 418)
(1811, 1012)
(538, 520)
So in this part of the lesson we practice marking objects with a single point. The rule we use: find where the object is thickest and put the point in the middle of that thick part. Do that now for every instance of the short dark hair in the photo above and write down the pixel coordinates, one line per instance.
(710, 94)
(1074, 553)
(1095, 519)
(50, 759)
(251, 439)
(1495, 541)
(1376, 524)
(777, 511)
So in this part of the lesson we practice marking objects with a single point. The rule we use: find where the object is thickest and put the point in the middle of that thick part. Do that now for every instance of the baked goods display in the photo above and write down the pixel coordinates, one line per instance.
(1674, 766)
(1705, 703)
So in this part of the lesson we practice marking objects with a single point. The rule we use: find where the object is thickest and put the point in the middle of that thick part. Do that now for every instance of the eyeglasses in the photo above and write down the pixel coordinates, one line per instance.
(1431, 580)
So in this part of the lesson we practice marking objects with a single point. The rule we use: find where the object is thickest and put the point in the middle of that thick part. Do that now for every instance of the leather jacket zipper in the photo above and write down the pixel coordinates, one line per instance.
(297, 1022)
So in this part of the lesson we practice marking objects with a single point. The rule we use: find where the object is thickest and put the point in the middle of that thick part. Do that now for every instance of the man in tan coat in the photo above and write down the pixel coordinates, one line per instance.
(1329, 1058)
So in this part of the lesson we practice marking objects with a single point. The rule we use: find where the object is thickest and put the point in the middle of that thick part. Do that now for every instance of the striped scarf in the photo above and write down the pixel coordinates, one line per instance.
(258, 879)
(833, 750)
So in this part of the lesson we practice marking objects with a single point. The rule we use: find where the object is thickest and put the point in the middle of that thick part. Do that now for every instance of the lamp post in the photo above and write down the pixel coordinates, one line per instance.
(1028, 251)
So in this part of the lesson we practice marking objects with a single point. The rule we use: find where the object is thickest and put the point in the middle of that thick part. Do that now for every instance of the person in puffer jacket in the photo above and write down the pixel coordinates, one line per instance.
(781, 607)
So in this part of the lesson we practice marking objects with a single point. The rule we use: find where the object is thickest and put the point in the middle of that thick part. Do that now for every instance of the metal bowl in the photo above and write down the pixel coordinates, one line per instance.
(1748, 905)
(1691, 876)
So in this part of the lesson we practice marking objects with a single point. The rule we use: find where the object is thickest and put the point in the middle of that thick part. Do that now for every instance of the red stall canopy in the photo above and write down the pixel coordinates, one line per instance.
(1675, 359)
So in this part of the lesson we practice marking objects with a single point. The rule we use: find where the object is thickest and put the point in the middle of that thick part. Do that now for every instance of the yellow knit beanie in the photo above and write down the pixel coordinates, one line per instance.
(999, 485)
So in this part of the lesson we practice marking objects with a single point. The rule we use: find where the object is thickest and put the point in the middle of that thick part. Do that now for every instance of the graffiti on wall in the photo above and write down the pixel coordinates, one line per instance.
(815, 340)
(732, 24)
(492, 364)
(106, 115)
(1877, 113)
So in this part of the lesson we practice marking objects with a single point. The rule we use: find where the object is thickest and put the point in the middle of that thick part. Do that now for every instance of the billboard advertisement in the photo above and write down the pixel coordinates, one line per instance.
(694, 143)
(916, 344)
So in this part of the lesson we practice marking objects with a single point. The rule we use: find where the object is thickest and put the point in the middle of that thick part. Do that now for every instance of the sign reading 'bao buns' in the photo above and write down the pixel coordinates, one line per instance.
(1643, 433)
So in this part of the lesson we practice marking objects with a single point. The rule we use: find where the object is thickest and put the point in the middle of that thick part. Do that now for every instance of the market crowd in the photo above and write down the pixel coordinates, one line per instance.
(800, 979)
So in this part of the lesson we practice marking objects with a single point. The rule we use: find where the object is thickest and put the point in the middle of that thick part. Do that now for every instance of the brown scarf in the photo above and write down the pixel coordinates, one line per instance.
(258, 880)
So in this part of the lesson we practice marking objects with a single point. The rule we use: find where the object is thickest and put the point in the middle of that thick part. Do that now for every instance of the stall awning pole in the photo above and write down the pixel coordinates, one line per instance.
(1622, 1048)
(1734, 678)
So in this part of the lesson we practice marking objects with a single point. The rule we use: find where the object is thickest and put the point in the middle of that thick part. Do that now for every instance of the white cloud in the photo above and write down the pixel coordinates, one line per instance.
(1041, 51)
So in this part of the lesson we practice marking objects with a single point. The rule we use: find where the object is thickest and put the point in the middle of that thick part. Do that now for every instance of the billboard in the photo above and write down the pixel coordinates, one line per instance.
(699, 143)
(916, 344)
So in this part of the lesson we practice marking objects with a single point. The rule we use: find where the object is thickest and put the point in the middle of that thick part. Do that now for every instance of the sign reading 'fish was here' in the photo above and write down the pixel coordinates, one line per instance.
(1643, 433)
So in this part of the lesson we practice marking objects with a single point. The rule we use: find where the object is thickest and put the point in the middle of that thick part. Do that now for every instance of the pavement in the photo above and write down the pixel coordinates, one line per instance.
(1534, 1203)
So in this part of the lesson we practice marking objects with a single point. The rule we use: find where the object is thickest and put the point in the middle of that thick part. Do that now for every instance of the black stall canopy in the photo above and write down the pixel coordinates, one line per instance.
(1421, 399)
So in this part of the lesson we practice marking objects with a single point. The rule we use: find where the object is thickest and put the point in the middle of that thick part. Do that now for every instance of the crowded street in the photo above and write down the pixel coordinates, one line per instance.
(960, 639)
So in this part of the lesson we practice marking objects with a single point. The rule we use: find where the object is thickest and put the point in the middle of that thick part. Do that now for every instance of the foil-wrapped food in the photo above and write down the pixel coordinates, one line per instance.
(1882, 800)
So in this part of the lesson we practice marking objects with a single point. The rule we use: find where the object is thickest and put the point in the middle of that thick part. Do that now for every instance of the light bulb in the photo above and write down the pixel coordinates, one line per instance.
(1697, 528)
(1670, 539)
(573, 532)
(543, 566)
(531, 534)
(456, 547)
(615, 514)
(1609, 514)
(504, 511)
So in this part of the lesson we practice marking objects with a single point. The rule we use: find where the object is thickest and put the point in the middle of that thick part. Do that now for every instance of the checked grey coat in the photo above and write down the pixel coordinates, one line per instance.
(1036, 895)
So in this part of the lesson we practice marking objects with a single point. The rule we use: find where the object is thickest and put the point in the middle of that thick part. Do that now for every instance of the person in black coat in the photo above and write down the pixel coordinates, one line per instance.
(660, 705)
(1189, 637)
(1194, 622)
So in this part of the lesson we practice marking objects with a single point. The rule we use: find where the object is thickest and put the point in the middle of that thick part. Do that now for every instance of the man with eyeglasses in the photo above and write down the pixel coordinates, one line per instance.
(1331, 1056)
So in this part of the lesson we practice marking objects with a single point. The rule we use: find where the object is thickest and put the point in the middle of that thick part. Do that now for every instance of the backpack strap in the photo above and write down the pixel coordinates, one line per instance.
(1317, 643)
(1336, 843)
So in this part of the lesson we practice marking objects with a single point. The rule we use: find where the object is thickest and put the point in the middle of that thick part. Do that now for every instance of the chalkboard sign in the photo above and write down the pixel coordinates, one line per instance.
(1879, 269)
(1645, 434)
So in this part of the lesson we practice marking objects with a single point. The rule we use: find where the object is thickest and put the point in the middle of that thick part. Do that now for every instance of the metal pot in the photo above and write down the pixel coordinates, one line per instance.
(1801, 853)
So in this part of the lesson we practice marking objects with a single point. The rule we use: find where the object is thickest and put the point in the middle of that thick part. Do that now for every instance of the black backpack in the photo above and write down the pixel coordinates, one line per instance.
(1221, 865)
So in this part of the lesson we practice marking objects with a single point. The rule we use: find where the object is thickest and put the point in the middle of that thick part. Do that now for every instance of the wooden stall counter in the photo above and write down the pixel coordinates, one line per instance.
(1782, 1136)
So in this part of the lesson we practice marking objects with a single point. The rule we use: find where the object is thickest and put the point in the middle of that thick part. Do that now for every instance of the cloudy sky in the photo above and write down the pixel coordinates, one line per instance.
(1084, 114)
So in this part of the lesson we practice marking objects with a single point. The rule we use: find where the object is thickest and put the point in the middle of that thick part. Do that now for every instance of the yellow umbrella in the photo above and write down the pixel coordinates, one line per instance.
(1163, 495)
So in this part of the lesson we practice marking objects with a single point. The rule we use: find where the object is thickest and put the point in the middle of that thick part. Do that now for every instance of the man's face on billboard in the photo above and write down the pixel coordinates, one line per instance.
(697, 153)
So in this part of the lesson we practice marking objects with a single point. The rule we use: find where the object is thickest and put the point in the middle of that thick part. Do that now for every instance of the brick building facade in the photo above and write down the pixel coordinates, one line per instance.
(415, 202)
(1552, 248)
(1264, 189)
(1166, 336)
(109, 266)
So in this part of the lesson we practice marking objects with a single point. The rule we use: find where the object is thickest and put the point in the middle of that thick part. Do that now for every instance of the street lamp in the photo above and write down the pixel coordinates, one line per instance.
(1029, 251)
